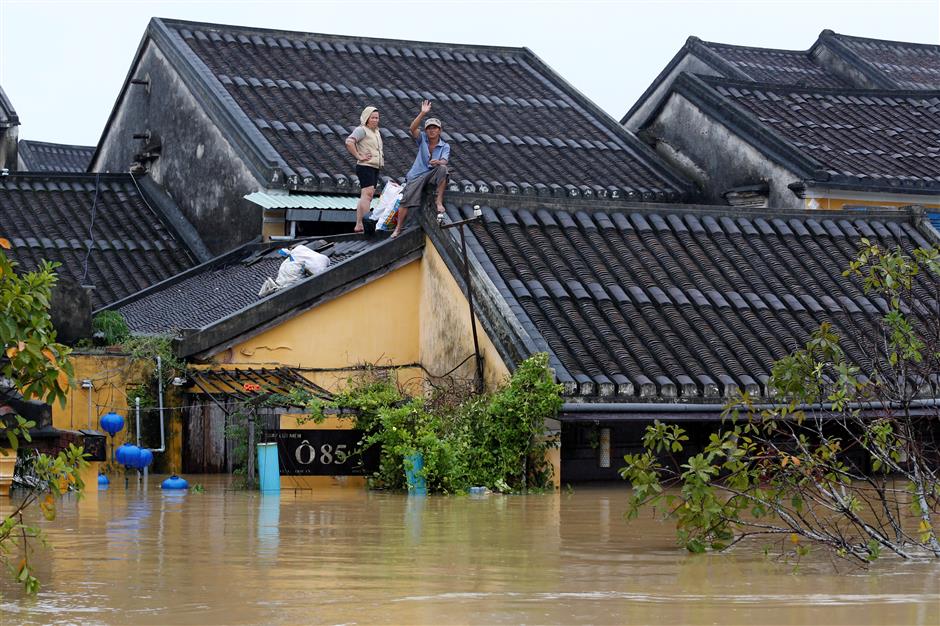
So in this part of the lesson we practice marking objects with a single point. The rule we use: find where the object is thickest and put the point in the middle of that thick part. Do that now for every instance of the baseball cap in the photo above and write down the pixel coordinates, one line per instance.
(433, 121)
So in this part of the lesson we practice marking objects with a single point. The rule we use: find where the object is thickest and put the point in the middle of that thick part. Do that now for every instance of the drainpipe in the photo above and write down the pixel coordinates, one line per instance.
(162, 447)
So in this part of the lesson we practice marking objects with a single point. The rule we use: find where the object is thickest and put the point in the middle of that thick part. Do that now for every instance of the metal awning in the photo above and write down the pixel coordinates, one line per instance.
(248, 383)
(270, 200)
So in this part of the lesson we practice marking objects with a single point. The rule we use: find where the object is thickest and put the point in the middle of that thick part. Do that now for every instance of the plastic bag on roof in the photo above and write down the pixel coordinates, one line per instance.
(387, 209)
(299, 262)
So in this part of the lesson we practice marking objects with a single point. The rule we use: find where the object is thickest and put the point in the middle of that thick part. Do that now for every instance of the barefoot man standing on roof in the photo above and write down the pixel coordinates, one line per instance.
(430, 166)
(365, 144)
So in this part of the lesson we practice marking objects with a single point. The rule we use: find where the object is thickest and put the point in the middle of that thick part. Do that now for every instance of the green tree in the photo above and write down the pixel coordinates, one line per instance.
(33, 365)
(845, 459)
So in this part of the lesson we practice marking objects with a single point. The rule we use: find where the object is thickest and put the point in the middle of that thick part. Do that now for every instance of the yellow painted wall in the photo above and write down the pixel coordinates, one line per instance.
(111, 376)
(445, 335)
(834, 204)
(376, 323)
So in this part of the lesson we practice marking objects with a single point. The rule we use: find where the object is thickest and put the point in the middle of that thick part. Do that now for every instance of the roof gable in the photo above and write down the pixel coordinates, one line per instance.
(514, 125)
(882, 140)
(902, 65)
(218, 301)
(57, 217)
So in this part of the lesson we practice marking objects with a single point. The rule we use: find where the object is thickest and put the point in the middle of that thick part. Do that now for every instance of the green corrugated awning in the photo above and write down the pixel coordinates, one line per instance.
(304, 201)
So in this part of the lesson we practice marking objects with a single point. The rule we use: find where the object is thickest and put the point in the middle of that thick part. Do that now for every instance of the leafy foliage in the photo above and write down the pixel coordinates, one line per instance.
(846, 459)
(36, 366)
(490, 440)
(112, 326)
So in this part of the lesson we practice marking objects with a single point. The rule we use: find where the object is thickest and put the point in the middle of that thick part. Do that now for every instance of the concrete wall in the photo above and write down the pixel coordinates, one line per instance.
(689, 63)
(708, 146)
(9, 158)
(198, 166)
(445, 335)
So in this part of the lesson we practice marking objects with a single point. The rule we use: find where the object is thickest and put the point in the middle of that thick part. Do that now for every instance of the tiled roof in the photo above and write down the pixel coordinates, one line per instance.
(785, 67)
(514, 126)
(870, 139)
(40, 156)
(222, 287)
(905, 65)
(56, 217)
(665, 304)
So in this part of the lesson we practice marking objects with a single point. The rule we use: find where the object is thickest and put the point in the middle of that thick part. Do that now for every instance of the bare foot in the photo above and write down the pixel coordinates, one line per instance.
(440, 208)
(358, 228)
(394, 234)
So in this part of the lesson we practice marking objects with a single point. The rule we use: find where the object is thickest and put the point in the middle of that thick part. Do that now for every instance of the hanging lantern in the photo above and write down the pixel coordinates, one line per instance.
(111, 423)
(128, 455)
(174, 482)
(145, 458)
(103, 480)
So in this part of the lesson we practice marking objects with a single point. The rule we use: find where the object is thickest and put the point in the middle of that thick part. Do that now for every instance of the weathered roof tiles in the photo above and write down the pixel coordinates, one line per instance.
(515, 127)
(666, 305)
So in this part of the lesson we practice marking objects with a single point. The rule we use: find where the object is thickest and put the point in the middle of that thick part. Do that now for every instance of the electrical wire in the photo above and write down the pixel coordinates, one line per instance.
(91, 230)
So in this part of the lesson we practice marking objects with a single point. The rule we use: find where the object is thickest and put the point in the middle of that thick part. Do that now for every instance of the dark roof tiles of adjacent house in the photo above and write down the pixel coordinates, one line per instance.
(514, 126)
(785, 67)
(57, 218)
(41, 156)
(883, 140)
(222, 287)
(666, 304)
(898, 64)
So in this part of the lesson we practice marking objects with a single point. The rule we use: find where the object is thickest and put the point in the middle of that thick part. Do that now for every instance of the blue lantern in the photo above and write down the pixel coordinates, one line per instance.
(111, 423)
(103, 480)
(145, 459)
(128, 455)
(174, 482)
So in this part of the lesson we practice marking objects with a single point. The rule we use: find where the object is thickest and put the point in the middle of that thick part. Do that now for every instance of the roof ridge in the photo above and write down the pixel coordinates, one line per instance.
(34, 142)
(913, 44)
(842, 91)
(342, 38)
(762, 48)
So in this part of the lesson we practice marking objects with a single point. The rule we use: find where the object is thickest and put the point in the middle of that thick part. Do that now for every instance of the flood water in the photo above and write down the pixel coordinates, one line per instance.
(346, 556)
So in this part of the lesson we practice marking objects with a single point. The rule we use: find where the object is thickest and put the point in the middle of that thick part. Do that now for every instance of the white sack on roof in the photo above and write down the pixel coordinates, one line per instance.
(301, 262)
(388, 203)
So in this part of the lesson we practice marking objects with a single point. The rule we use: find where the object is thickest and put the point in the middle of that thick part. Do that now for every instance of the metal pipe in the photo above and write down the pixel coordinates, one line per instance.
(162, 447)
(137, 411)
(473, 322)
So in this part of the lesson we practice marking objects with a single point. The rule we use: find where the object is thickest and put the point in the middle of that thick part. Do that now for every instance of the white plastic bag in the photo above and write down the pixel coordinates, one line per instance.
(301, 261)
(313, 262)
(388, 203)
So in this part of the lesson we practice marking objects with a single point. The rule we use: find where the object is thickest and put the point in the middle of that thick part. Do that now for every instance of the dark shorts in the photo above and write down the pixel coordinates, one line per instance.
(368, 176)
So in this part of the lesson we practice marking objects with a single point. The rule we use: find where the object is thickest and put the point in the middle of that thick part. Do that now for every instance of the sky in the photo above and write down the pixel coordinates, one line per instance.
(62, 63)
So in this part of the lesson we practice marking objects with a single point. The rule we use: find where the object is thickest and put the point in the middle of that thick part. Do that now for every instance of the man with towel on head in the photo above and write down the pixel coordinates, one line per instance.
(365, 144)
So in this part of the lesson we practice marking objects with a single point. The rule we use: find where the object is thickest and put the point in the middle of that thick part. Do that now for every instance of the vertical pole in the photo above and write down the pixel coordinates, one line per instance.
(473, 321)
(251, 447)
(137, 411)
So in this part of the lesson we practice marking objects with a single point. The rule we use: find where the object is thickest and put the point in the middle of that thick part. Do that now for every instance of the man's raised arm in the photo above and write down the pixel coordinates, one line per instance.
(415, 127)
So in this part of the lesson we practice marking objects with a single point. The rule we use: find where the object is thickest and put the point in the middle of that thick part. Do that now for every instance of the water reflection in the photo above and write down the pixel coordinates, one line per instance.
(144, 556)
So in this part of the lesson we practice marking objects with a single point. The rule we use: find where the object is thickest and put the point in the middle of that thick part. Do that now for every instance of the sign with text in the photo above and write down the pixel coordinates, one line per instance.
(322, 453)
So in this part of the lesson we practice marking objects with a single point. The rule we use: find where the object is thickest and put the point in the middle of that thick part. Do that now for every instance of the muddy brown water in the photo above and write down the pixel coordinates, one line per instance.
(351, 557)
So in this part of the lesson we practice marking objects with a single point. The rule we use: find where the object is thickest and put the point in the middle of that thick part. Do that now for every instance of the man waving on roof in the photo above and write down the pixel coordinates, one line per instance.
(430, 166)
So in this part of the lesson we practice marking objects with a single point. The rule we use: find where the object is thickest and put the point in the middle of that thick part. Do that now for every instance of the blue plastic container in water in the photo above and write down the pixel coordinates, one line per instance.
(174, 482)
(417, 486)
(269, 472)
